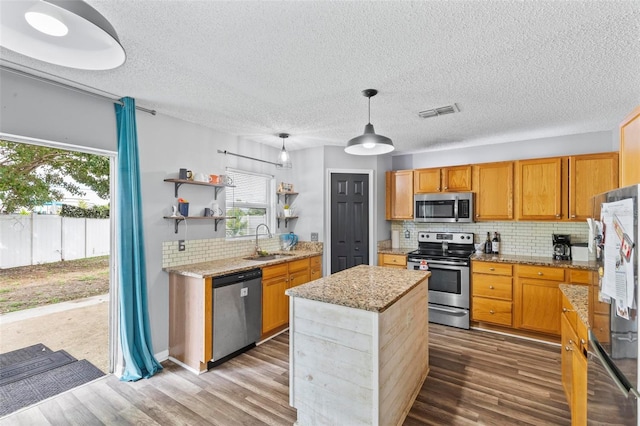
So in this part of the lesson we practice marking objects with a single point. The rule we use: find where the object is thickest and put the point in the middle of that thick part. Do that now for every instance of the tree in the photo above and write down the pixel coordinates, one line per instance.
(31, 175)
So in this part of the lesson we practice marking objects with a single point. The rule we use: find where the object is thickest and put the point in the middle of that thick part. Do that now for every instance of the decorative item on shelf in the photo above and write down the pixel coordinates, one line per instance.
(216, 210)
(285, 187)
(189, 175)
(183, 207)
(200, 177)
(207, 212)
(226, 180)
(287, 210)
(214, 179)
(182, 174)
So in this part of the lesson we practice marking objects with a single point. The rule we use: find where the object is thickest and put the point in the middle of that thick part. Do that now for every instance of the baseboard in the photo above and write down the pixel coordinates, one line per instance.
(185, 366)
(162, 356)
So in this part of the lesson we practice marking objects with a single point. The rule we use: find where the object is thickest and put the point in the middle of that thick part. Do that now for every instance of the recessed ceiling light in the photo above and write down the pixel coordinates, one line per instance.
(434, 112)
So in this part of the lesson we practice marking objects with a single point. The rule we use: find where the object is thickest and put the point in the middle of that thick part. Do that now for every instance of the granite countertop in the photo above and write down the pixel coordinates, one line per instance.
(371, 288)
(578, 296)
(219, 267)
(531, 260)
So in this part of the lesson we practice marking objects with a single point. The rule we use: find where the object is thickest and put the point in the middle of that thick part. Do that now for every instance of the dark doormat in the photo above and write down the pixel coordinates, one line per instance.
(57, 373)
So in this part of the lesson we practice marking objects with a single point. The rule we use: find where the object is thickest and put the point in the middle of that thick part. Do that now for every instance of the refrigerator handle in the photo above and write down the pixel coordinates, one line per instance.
(603, 358)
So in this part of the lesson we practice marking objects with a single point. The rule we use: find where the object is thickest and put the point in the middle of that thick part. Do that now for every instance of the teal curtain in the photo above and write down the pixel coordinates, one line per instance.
(135, 336)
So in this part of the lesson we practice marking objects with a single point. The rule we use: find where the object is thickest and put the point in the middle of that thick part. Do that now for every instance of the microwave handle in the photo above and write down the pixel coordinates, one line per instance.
(455, 209)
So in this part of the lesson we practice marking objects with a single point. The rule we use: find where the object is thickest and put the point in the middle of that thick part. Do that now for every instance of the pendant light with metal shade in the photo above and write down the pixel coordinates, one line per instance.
(67, 33)
(284, 159)
(369, 143)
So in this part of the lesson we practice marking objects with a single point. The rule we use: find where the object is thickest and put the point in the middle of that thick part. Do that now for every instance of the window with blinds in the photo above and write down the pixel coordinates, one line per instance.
(249, 203)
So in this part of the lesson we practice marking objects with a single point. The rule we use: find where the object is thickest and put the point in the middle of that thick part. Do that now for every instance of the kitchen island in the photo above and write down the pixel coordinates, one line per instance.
(358, 346)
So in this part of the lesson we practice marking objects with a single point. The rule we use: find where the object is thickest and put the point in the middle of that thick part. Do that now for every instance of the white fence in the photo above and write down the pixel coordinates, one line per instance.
(34, 239)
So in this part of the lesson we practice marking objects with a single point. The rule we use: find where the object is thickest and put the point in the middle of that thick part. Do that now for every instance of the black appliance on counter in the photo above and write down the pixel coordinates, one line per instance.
(561, 247)
(447, 256)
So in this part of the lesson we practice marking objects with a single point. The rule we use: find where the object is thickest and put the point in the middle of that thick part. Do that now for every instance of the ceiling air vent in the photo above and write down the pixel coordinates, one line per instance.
(449, 109)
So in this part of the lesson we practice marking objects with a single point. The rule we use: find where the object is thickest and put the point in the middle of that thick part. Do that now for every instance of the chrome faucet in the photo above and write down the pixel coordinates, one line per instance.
(268, 233)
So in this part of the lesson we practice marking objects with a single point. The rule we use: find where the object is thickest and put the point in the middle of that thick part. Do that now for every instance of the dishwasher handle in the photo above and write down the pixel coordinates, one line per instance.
(237, 277)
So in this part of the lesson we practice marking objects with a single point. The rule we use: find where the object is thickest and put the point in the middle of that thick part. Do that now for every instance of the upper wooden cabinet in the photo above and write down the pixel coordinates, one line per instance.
(399, 195)
(539, 189)
(493, 185)
(590, 175)
(630, 149)
(442, 179)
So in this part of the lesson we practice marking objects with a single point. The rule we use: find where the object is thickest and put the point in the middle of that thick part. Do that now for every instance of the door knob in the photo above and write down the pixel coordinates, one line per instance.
(357, 249)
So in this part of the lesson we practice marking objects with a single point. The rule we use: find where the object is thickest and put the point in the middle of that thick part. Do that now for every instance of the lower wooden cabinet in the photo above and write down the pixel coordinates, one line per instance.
(492, 293)
(392, 260)
(276, 280)
(574, 363)
(538, 298)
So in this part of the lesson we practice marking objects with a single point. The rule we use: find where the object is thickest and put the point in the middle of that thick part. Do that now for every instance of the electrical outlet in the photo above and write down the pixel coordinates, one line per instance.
(181, 245)
(407, 234)
(314, 236)
(244, 292)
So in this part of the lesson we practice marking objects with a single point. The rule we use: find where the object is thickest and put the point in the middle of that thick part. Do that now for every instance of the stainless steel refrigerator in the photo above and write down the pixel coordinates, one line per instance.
(612, 376)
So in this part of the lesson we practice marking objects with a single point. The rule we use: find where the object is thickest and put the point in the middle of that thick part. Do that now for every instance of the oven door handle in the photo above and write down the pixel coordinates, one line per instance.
(440, 262)
(600, 354)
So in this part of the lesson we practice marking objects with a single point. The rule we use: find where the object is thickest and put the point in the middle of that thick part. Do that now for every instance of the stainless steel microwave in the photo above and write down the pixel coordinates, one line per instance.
(443, 207)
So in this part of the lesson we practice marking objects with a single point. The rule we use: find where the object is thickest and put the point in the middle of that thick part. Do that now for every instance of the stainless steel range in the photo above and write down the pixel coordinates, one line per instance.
(446, 255)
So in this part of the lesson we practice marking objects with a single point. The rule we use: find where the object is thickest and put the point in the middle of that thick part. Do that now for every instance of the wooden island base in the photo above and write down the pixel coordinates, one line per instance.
(355, 366)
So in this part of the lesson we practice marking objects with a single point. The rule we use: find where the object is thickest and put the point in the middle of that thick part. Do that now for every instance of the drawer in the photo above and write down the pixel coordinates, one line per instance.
(316, 261)
(491, 310)
(275, 270)
(298, 278)
(493, 268)
(497, 287)
(579, 276)
(394, 260)
(540, 272)
(298, 265)
(315, 270)
(598, 306)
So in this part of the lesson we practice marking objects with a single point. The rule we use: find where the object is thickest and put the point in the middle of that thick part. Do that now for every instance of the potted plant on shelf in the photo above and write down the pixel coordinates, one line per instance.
(288, 210)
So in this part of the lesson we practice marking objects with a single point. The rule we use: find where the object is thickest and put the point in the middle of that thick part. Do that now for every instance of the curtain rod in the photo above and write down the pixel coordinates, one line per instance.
(114, 99)
(225, 152)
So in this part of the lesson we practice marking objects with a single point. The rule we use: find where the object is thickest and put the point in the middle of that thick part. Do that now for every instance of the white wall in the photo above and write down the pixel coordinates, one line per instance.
(586, 143)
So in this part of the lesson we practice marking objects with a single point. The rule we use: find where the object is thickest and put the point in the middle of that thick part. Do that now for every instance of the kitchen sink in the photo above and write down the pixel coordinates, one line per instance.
(273, 256)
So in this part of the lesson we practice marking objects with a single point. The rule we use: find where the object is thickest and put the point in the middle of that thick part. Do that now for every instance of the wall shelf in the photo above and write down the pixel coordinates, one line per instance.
(286, 196)
(286, 219)
(179, 182)
(216, 219)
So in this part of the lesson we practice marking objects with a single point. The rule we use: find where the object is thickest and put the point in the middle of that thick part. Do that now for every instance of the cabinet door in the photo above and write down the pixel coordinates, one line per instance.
(427, 180)
(456, 179)
(566, 358)
(539, 305)
(275, 304)
(494, 191)
(578, 388)
(630, 149)
(392, 260)
(298, 272)
(399, 192)
(539, 189)
(315, 271)
(590, 175)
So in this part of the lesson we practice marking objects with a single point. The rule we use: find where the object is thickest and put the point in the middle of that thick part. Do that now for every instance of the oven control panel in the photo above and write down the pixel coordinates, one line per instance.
(450, 237)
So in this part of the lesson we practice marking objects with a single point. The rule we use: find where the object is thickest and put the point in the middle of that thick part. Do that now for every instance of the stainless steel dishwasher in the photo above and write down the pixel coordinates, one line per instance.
(237, 314)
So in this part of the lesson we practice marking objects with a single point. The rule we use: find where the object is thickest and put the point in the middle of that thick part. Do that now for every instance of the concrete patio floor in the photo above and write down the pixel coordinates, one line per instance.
(79, 327)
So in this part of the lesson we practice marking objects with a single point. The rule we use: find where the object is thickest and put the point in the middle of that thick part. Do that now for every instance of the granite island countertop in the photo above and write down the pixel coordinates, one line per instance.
(533, 260)
(371, 288)
(578, 296)
(214, 268)
(402, 252)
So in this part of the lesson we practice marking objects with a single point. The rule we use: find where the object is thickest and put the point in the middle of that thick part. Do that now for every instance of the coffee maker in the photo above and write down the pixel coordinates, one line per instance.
(561, 247)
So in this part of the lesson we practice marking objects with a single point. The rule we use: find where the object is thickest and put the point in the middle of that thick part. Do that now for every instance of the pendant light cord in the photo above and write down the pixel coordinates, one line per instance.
(369, 109)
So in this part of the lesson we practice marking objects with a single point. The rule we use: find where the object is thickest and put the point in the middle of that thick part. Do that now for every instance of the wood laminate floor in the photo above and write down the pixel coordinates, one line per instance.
(476, 378)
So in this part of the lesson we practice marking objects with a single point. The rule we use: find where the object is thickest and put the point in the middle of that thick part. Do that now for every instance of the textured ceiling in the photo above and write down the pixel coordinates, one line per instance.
(517, 69)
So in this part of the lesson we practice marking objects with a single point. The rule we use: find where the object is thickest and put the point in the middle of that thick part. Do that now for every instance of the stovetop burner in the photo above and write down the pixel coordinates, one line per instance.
(444, 245)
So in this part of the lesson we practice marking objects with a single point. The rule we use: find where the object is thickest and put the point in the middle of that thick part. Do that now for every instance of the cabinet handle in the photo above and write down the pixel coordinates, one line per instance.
(492, 312)
(446, 187)
(565, 309)
(477, 215)
(492, 269)
(557, 215)
(573, 216)
(491, 287)
(567, 348)
(582, 341)
(539, 273)
(438, 188)
(570, 341)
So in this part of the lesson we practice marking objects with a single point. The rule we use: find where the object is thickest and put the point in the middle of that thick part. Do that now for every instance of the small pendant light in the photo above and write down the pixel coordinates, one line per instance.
(369, 143)
(284, 159)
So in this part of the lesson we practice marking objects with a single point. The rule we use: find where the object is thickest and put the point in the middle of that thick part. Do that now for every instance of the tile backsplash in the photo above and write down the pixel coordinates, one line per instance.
(221, 248)
(516, 238)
